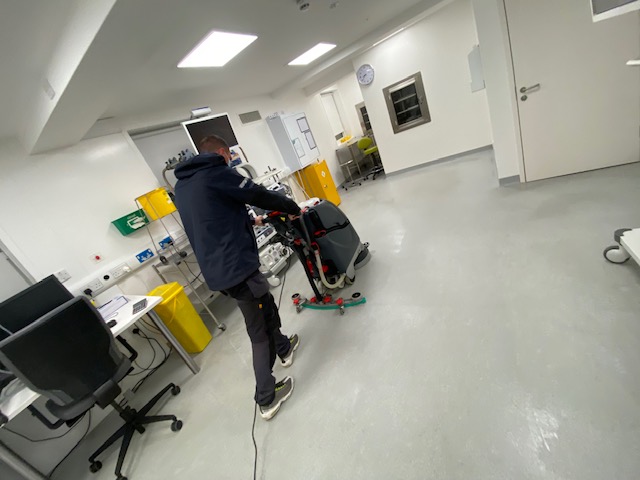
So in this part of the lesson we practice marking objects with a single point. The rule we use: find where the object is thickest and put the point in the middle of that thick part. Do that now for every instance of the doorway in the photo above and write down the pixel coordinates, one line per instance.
(12, 280)
(578, 102)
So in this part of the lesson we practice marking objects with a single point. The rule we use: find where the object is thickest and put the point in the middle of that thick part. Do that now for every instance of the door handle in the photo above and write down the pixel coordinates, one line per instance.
(529, 89)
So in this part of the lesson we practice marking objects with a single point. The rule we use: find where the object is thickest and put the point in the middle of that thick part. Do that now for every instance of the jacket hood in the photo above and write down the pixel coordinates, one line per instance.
(203, 161)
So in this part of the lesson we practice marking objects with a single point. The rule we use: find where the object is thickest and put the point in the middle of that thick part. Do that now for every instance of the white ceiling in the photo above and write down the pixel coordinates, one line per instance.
(29, 30)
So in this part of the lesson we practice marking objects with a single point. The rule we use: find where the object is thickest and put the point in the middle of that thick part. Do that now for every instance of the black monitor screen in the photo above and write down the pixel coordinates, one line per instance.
(203, 127)
(602, 6)
(32, 303)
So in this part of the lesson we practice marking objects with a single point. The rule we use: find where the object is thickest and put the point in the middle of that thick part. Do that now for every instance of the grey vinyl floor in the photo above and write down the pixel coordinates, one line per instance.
(496, 343)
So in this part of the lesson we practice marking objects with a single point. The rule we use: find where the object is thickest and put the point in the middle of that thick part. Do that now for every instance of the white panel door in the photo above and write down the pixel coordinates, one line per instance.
(585, 114)
(11, 282)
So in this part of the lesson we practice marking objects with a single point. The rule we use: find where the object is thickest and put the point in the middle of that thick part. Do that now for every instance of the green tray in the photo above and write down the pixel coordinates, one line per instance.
(131, 223)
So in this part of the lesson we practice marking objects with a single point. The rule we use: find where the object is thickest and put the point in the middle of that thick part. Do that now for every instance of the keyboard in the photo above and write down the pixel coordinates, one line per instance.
(139, 306)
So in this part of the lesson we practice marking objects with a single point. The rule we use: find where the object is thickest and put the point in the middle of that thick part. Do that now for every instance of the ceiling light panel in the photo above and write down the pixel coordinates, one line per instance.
(310, 55)
(216, 49)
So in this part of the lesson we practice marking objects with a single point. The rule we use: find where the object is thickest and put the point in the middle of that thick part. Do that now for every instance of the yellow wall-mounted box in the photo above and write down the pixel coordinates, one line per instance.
(156, 203)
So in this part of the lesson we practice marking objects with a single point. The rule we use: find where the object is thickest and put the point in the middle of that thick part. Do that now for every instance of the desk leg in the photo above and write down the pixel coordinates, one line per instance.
(193, 366)
(18, 464)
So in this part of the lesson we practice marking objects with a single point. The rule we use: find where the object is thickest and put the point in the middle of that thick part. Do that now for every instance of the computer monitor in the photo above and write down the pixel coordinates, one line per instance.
(604, 9)
(212, 125)
(30, 304)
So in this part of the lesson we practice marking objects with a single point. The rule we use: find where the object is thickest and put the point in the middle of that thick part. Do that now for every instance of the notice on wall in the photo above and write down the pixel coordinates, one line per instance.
(297, 144)
(476, 70)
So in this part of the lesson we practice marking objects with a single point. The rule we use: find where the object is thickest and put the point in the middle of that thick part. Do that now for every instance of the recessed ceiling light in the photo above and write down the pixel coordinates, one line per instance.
(216, 49)
(310, 55)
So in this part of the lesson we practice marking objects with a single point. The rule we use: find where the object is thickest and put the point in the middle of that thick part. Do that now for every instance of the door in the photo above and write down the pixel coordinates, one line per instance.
(579, 104)
(11, 281)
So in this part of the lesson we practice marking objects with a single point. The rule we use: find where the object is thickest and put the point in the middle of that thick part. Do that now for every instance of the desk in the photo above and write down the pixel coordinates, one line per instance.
(24, 397)
(349, 156)
(631, 243)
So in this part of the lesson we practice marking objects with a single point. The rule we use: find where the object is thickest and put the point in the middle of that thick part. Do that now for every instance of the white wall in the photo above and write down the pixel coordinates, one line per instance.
(349, 90)
(56, 208)
(491, 24)
(437, 47)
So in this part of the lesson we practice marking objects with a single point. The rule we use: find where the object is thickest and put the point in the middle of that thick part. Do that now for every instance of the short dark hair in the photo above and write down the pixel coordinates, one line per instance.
(211, 143)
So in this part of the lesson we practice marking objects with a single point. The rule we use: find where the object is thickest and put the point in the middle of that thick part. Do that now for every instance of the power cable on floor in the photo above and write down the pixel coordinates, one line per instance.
(255, 411)
(74, 447)
(253, 437)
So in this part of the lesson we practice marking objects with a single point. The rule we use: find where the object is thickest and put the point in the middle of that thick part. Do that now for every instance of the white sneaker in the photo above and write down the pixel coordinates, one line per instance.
(287, 361)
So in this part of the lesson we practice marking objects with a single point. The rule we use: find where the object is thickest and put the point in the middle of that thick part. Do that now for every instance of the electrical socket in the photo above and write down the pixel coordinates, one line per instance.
(62, 275)
(94, 285)
(120, 270)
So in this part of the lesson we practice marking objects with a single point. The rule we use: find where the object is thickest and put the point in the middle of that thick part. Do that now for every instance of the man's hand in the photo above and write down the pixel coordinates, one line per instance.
(258, 221)
(293, 217)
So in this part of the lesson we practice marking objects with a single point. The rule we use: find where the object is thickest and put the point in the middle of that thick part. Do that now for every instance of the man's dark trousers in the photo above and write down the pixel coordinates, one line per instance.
(263, 326)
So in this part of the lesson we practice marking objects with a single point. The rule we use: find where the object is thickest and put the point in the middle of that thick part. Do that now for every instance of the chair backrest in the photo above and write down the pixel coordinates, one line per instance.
(67, 355)
(30, 304)
(364, 143)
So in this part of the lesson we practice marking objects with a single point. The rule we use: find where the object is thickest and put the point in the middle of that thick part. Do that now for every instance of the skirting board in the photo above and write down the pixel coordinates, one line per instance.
(509, 180)
(439, 160)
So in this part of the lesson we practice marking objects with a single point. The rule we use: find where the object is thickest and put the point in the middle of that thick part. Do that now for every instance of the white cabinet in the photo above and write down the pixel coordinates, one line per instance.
(294, 139)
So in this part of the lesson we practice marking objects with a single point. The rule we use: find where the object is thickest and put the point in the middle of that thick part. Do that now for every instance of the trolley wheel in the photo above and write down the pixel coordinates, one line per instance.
(356, 295)
(222, 327)
(95, 466)
(175, 390)
(176, 425)
(341, 309)
(298, 308)
(616, 254)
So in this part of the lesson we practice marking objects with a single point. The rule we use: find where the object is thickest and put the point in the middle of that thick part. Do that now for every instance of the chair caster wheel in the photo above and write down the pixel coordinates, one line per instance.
(616, 254)
(356, 295)
(176, 426)
(95, 467)
(175, 390)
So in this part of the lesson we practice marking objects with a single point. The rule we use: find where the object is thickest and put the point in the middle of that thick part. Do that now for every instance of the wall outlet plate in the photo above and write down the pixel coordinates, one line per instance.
(165, 242)
(120, 270)
(144, 255)
(62, 275)
(94, 285)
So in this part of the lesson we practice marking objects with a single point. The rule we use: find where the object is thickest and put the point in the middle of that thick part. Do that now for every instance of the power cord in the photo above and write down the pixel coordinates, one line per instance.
(255, 410)
(253, 437)
(74, 447)
(38, 440)
(59, 436)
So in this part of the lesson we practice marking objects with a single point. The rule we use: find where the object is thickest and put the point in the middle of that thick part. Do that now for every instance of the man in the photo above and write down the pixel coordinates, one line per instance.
(211, 198)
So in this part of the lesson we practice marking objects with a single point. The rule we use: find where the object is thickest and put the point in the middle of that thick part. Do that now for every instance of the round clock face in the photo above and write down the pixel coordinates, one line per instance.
(365, 74)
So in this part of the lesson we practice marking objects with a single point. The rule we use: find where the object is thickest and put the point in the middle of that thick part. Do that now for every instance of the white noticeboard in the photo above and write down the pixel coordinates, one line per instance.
(295, 140)
(476, 70)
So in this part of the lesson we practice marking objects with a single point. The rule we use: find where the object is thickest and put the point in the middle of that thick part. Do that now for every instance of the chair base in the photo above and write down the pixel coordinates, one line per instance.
(134, 422)
(375, 171)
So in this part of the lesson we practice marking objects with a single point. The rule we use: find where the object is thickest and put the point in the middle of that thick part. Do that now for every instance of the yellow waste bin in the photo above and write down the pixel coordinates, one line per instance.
(156, 203)
(178, 314)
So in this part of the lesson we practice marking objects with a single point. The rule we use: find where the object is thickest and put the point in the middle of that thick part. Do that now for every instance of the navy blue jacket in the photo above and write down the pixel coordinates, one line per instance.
(211, 199)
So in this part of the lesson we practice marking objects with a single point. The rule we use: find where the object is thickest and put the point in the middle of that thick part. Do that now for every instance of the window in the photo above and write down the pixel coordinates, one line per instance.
(407, 103)
(365, 123)
(333, 115)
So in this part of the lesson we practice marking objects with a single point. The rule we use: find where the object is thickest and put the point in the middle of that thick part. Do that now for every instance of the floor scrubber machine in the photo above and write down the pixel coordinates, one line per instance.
(330, 251)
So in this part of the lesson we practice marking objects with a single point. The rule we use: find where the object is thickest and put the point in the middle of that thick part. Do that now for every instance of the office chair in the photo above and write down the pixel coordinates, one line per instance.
(69, 356)
(364, 144)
